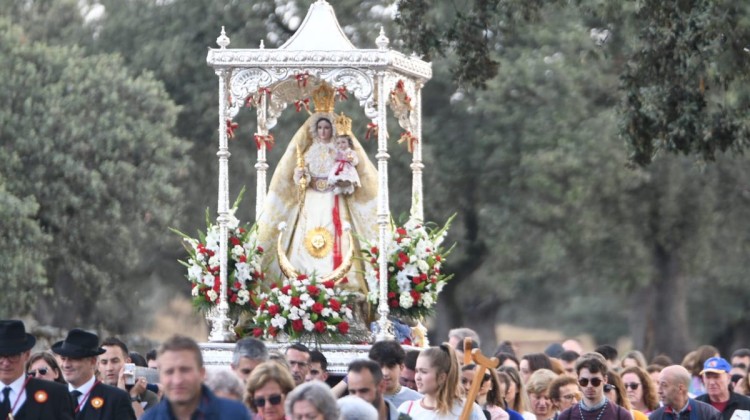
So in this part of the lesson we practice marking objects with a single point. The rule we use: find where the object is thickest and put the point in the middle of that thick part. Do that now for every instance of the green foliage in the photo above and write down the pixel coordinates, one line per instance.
(23, 249)
(95, 146)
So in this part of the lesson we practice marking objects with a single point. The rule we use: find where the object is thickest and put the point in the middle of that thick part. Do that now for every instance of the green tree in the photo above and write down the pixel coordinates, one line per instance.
(95, 146)
(22, 253)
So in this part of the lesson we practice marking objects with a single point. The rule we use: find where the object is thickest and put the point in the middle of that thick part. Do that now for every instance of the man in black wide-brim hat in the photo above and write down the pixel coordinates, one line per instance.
(23, 397)
(93, 400)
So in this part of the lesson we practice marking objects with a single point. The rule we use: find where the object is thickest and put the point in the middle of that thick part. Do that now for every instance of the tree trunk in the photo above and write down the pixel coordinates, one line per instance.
(669, 320)
(642, 303)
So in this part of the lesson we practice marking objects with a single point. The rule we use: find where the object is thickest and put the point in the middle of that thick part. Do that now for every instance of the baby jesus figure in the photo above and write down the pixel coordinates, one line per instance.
(343, 176)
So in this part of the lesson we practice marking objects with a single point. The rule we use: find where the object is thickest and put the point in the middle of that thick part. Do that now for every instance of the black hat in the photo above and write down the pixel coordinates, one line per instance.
(78, 344)
(13, 337)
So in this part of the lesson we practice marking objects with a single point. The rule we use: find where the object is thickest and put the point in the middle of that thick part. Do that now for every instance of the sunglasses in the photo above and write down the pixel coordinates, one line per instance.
(273, 400)
(42, 372)
(607, 387)
(584, 382)
(632, 385)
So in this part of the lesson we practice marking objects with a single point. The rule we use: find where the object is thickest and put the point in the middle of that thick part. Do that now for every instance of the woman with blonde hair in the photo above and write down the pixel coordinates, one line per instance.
(640, 389)
(437, 378)
(266, 391)
(515, 395)
(538, 389)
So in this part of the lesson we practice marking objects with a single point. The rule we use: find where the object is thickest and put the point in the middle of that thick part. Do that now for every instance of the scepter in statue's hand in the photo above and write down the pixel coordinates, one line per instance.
(302, 184)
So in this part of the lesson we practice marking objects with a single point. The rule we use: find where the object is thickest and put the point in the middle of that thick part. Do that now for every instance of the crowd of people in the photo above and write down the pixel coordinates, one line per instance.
(82, 377)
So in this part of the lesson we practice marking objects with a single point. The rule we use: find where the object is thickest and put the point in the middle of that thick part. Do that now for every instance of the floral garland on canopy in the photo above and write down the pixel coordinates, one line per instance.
(303, 308)
(244, 270)
(415, 278)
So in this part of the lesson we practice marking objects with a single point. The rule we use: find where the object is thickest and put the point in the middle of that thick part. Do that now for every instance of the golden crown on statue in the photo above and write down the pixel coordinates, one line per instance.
(324, 98)
(343, 125)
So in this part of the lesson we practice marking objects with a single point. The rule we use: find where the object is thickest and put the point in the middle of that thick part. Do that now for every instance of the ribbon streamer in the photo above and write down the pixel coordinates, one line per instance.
(342, 93)
(231, 127)
(302, 79)
(304, 103)
(408, 138)
(261, 139)
(372, 130)
(264, 91)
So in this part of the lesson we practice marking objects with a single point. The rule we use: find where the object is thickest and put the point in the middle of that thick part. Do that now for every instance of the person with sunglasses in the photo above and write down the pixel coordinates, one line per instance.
(592, 376)
(640, 389)
(267, 388)
(181, 375)
(43, 365)
(615, 391)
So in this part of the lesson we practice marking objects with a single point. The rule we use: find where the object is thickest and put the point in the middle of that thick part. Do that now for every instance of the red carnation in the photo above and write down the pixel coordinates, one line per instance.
(320, 327)
(438, 258)
(273, 310)
(297, 325)
(393, 303)
(401, 231)
(272, 331)
(237, 285)
(329, 284)
(391, 295)
(233, 298)
(241, 230)
(257, 332)
(243, 258)
(374, 250)
(313, 290)
(260, 249)
(234, 241)
(415, 295)
(317, 307)
(296, 301)
(343, 327)
(302, 277)
(416, 279)
(285, 290)
(334, 304)
(373, 260)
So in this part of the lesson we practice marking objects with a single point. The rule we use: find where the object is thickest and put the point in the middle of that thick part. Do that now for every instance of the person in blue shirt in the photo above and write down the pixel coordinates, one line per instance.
(181, 374)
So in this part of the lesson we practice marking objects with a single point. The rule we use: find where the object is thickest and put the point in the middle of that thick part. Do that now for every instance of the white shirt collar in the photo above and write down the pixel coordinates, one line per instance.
(16, 388)
(84, 389)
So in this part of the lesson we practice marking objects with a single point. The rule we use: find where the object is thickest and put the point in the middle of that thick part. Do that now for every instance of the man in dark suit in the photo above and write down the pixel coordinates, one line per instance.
(26, 397)
(93, 399)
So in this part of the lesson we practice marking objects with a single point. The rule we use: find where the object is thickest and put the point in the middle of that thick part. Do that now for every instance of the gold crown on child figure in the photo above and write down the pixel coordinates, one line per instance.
(324, 98)
(343, 125)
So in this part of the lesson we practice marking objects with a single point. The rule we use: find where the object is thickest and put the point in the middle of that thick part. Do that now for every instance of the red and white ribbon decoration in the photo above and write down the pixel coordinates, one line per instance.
(303, 103)
(264, 91)
(341, 93)
(409, 139)
(302, 79)
(372, 130)
(266, 139)
(231, 127)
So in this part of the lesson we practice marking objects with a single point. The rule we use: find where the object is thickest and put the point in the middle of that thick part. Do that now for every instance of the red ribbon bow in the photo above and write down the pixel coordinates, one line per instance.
(302, 79)
(264, 91)
(231, 126)
(261, 139)
(304, 103)
(342, 93)
(372, 129)
(249, 101)
(409, 139)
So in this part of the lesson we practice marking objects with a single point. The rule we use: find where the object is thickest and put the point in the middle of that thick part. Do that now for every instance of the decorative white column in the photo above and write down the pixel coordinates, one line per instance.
(221, 324)
(384, 214)
(417, 198)
(261, 166)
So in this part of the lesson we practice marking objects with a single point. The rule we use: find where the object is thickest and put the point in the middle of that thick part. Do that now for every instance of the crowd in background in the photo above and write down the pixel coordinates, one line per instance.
(104, 380)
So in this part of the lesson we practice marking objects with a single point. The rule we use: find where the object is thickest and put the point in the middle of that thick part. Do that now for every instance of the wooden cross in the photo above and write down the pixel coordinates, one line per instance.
(483, 363)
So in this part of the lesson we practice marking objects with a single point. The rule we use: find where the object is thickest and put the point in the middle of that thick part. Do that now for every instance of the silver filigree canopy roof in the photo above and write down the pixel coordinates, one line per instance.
(321, 50)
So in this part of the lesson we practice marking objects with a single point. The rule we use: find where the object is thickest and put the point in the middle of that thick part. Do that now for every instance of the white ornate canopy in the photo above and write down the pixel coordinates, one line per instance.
(271, 79)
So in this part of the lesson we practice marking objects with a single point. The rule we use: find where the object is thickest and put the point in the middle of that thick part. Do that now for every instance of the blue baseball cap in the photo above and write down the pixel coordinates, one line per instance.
(716, 365)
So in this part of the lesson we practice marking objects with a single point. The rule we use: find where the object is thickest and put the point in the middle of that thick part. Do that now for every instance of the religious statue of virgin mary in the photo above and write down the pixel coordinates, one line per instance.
(308, 226)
